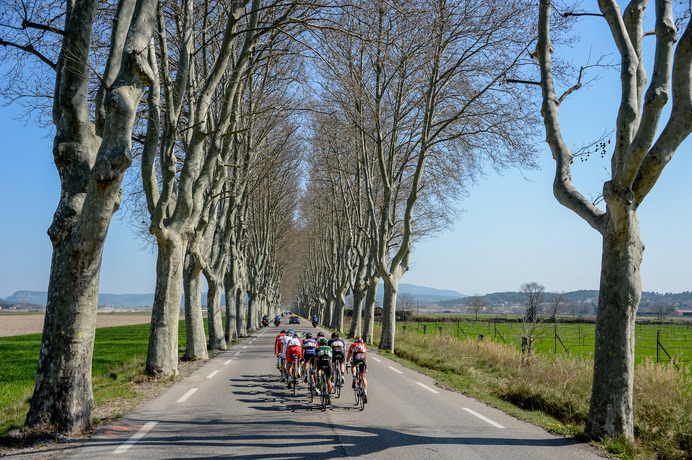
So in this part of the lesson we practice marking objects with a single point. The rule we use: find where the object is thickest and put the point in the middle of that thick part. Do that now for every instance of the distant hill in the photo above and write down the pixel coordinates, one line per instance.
(681, 300)
(110, 300)
(422, 294)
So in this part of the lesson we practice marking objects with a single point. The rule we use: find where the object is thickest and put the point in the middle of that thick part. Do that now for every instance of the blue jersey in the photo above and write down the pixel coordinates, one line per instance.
(309, 347)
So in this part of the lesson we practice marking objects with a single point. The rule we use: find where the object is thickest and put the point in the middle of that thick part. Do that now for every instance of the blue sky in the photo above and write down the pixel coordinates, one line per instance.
(512, 229)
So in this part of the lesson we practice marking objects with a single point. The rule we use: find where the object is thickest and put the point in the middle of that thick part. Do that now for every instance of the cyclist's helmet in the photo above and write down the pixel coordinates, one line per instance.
(323, 342)
(359, 340)
(335, 335)
(291, 331)
(308, 335)
(320, 334)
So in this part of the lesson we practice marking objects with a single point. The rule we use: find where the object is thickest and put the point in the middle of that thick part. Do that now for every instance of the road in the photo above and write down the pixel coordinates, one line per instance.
(236, 407)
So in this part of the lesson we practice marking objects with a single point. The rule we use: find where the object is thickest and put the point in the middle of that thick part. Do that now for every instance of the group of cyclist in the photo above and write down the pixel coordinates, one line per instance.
(314, 356)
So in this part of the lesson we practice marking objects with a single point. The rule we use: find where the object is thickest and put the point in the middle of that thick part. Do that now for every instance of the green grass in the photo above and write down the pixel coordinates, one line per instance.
(570, 338)
(118, 365)
(553, 389)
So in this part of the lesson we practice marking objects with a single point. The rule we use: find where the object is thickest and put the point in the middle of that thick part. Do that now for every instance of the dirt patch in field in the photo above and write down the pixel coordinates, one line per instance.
(14, 324)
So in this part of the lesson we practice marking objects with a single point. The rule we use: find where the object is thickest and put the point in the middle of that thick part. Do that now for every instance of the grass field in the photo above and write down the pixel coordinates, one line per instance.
(553, 389)
(660, 342)
(118, 364)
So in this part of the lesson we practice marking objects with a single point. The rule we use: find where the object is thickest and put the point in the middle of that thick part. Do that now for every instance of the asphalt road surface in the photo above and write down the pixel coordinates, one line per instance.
(236, 407)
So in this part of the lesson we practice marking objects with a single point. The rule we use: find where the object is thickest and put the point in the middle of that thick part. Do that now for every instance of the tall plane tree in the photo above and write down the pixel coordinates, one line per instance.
(639, 155)
(92, 152)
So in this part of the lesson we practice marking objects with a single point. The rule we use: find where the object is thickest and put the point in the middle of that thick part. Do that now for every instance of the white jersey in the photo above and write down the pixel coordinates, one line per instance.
(293, 342)
(284, 341)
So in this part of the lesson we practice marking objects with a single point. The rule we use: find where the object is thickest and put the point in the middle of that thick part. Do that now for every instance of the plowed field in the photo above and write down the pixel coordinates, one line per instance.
(13, 324)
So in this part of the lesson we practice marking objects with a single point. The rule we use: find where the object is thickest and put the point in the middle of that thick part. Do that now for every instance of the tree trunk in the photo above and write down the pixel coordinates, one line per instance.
(328, 311)
(356, 320)
(196, 342)
(338, 318)
(240, 310)
(610, 413)
(252, 307)
(231, 332)
(370, 300)
(391, 289)
(63, 395)
(162, 355)
(217, 341)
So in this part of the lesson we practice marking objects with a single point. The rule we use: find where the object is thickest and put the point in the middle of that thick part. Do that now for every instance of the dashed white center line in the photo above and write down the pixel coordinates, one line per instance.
(485, 419)
(228, 362)
(395, 370)
(210, 376)
(245, 346)
(187, 395)
(428, 388)
(378, 360)
(237, 353)
(134, 438)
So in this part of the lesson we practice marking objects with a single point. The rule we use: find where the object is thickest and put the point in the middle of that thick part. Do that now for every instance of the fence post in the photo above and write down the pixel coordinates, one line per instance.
(425, 326)
(440, 331)
(404, 328)
(658, 345)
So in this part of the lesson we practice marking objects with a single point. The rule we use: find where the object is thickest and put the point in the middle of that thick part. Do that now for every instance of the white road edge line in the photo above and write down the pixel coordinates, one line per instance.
(395, 370)
(428, 388)
(213, 374)
(184, 397)
(134, 438)
(485, 419)
(228, 362)
(378, 360)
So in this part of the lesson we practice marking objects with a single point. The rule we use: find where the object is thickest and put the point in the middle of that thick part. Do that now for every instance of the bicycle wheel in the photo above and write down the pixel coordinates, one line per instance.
(337, 381)
(311, 387)
(355, 390)
(323, 393)
(361, 394)
(294, 381)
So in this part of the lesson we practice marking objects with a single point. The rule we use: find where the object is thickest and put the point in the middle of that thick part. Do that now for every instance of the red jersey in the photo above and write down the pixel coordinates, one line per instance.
(278, 343)
(357, 348)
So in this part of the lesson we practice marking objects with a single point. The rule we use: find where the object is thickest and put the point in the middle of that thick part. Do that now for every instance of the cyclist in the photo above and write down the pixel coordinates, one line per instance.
(338, 352)
(293, 347)
(323, 363)
(278, 346)
(309, 348)
(285, 339)
(357, 356)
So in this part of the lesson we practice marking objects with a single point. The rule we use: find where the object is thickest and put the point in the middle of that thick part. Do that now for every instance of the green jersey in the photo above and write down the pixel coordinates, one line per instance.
(323, 352)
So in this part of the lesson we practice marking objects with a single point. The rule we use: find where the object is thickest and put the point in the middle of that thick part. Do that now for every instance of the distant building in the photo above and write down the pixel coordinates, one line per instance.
(684, 313)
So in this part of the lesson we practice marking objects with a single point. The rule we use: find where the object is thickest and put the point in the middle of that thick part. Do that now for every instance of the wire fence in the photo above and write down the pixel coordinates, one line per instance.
(663, 342)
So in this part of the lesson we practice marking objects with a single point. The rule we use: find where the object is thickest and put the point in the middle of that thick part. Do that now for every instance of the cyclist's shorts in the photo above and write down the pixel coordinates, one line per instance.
(326, 366)
(362, 362)
(308, 355)
(294, 350)
(338, 355)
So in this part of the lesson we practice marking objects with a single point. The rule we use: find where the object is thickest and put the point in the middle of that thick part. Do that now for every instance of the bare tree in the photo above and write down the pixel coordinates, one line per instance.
(476, 304)
(92, 151)
(556, 304)
(534, 305)
(639, 155)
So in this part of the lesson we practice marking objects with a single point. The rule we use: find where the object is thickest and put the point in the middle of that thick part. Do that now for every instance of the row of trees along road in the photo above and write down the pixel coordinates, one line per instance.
(399, 105)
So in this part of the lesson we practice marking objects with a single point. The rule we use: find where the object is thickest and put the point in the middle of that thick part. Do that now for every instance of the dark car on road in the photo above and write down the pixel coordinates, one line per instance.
(294, 320)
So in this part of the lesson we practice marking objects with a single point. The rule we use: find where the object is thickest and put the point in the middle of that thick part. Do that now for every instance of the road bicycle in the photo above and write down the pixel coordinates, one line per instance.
(324, 393)
(311, 382)
(337, 376)
(294, 373)
(359, 390)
